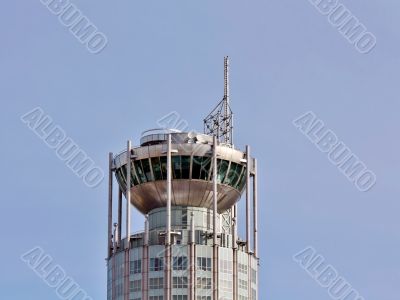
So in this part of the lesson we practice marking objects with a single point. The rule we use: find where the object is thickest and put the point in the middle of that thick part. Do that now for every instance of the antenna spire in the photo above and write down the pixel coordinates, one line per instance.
(220, 121)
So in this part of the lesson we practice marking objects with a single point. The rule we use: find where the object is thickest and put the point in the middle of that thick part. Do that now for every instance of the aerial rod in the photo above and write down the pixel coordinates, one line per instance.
(226, 100)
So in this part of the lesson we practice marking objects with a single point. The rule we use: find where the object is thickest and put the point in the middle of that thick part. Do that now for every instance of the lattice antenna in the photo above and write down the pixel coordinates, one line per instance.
(220, 121)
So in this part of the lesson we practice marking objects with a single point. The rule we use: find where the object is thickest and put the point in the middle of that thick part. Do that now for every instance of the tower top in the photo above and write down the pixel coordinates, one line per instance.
(220, 121)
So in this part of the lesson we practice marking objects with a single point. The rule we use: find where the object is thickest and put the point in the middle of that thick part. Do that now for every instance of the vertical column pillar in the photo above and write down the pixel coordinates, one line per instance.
(145, 264)
(255, 210)
(192, 266)
(215, 213)
(167, 257)
(128, 220)
(119, 216)
(235, 254)
(248, 165)
(110, 204)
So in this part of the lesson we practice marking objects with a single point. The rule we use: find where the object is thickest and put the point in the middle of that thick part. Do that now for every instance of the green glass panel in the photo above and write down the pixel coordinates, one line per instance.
(205, 167)
(233, 174)
(139, 171)
(196, 167)
(146, 169)
(163, 161)
(222, 169)
(155, 162)
(242, 180)
(239, 171)
(134, 180)
(176, 167)
(185, 165)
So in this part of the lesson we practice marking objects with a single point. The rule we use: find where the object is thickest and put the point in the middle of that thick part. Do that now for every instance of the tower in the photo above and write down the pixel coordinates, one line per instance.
(187, 186)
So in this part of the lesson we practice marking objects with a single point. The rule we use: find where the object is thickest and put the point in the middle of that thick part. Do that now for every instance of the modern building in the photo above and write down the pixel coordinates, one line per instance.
(187, 186)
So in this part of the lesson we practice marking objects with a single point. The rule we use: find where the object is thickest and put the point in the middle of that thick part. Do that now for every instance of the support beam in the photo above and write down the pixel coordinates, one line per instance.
(192, 262)
(235, 251)
(119, 216)
(255, 210)
(128, 220)
(128, 194)
(215, 214)
(167, 256)
(145, 264)
(169, 191)
(248, 165)
(110, 204)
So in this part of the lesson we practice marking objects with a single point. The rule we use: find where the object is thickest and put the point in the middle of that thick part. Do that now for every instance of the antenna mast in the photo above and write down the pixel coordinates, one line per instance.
(220, 121)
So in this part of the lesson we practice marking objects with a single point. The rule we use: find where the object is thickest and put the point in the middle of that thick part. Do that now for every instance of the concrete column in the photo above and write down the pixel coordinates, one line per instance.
(215, 213)
(167, 256)
(255, 210)
(248, 165)
(119, 216)
(110, 204)
(145, 264)
(128, 220)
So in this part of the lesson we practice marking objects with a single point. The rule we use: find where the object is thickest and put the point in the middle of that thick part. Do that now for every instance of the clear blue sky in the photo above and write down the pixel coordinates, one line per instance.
(286, 59)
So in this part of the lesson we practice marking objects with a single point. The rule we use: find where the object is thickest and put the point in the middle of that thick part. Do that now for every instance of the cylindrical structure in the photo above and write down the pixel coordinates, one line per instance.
(187, 185)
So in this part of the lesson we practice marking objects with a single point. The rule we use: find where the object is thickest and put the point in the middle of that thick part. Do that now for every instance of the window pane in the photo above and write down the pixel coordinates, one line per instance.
(205, 168)
(139, 171)
(242, 181)
(233, 175)
(239, 172)
(196, 168)
(176, 167)
(155, 162)
(146, 169)
(133, 177)
(185, 165)
(163, 160)
(222, 169)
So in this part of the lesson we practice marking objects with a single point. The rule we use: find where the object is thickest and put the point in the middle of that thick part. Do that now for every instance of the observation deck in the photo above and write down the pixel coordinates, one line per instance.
(191, 164)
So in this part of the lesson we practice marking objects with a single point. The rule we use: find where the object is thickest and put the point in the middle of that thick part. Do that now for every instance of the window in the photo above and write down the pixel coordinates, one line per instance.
(180, 263)
(185, 165)
(135, 286)
(179, 297)
(254, 294)
(204, 263)
(146, 169)
(253, 275)
(203, 297)
(176, 167)
(156, 283)
(242, 180)
(222, 166)
(225, 266)
(140, 172)
(156, 297)
(136, 267)
(233, 174)
(242, 268)
(201, 167)
(155, 163)
(180, 282)
(196, 168)
(242, 284)
(156, 264)
(203, 283)
(163, 161)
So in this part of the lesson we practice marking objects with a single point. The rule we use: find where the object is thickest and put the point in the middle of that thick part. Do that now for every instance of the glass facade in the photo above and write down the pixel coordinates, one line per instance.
(183, 167)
